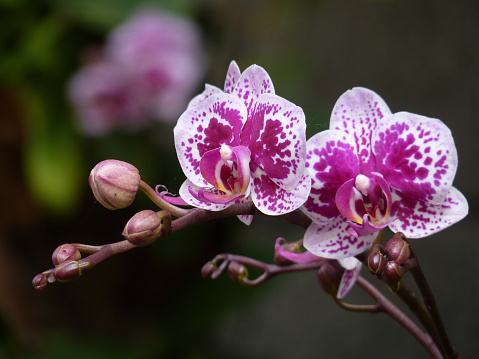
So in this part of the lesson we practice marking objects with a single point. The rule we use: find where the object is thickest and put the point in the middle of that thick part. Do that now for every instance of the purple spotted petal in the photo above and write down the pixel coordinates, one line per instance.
(253, 82)
(418, 219)
(245, 218)
(272, 199)
(232, 77)
(348, 280)
(209, 90)
(278, 140)
(185, 193)
(331, 240)
(348, 263)
(331, 160)
(416, 155)
(358, 112)
(215, 121)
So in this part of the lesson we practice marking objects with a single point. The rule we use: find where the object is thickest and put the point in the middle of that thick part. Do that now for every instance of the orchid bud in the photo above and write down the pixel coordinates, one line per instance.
(64, 253)
(377, 260)
(393, 273)
(114, 183)
(143, 228)
(237, 271)
(398, 248)
(67, 271)
(40, 281)
(329, 276)
(208, 269)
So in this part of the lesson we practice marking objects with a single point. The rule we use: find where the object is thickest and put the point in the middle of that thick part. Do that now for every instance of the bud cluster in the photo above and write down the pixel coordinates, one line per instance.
(387, 262)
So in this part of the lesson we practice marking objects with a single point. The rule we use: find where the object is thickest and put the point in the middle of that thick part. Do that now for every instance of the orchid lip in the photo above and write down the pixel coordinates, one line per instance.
(366, 203)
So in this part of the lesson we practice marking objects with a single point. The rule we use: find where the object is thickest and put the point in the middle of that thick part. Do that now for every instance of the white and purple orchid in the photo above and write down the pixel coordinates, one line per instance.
(243, 144)
(374, 169)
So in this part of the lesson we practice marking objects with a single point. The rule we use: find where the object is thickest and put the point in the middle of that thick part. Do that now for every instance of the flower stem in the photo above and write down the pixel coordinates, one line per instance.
(160, 202)
(443, 342)
(386, 306)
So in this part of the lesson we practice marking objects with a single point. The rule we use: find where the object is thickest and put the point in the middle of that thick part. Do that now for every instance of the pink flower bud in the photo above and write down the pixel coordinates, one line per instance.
(67, 271)
(208, 269)
(377, 260)
(114, 183)
(40, 281)
(329, 277)
(237, 271)
(393, 273)
(143, 228)
(64, 253)
(398, 248)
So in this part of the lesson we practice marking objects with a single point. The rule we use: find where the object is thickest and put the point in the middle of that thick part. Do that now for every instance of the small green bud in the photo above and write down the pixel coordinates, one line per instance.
(143, 228)
(67, 271)
(64, 253)
(398, 248)
(237, 271)
(114, 183)
(329, 277)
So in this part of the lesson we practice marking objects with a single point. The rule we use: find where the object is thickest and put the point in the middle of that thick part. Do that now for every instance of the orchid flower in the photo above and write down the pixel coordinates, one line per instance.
(243, 144)
(352, 266)
(373, 169)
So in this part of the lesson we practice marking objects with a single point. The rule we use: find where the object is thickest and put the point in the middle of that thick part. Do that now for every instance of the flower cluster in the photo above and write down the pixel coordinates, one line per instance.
(243, 144)
(374, 169)
(148, 69)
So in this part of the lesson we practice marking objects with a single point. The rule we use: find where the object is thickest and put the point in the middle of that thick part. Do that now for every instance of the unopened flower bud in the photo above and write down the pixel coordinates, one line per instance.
(114, 183)
(237, 271)
(377, 262)
(64, 253)
(208, 269)
(143, 228)
(393, 273)
(67, 271)
(40, 281)
(398, 249)
(329, 276)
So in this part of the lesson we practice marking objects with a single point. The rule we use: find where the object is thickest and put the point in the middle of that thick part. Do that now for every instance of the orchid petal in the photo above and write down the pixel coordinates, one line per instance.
(348, 263)
(331, 160)
(278, 139)
(232, 77)
(185, 193)
(246, 218)
(272, 199)
(215, 121)
(346, 198)
(348, 280)
(331, 240)
(253, 82)
(209, 91)
(358, 112)
(416, 155)
(418, 219)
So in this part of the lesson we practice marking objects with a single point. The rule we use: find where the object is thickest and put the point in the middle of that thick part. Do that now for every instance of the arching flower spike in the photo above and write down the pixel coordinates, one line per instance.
(243, 144)
(374, 169)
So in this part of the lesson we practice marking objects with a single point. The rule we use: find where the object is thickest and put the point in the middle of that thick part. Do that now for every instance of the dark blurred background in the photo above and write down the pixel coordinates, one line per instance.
(420, 56)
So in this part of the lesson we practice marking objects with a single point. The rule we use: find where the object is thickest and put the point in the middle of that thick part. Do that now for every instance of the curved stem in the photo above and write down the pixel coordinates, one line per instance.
(386, 306)
(443, 339)
(160, 202)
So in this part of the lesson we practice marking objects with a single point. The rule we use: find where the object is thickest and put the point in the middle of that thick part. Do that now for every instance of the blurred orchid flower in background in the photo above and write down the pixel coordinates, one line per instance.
(148, 69)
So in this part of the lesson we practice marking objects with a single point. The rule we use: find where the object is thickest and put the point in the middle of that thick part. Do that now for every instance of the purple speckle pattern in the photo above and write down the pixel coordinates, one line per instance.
(278, 140)
(349, 279)
(357, 113)
(215, 121)
(332, 240)
(416, 156)
(248, 114)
